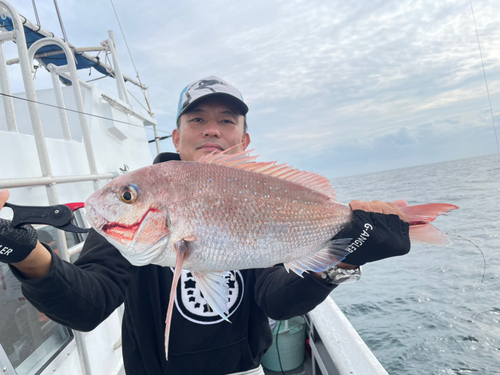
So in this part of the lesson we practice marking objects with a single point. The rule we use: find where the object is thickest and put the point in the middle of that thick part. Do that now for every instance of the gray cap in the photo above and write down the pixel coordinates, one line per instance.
(210, 86)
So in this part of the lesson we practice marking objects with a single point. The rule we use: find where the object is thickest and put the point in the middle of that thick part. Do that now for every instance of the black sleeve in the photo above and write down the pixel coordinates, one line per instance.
(81, 295)
(375, 237)
(283, 295)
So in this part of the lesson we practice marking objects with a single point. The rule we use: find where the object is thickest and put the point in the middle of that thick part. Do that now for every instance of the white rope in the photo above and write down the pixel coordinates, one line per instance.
(133, 63)
(484, 74)
(76, 111)
(125, 39)
(107, 62)
(137, 101)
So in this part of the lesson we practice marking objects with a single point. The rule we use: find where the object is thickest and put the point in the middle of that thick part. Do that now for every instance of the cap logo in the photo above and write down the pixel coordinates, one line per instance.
(202, 85)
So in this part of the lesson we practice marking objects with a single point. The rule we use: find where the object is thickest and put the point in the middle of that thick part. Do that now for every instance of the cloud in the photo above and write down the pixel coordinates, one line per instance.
(351, 80)
(402, 137)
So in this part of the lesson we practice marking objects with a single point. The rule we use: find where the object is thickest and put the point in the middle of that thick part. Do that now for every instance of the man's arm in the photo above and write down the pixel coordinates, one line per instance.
(283, 295)
(37, 264)
(79, 296)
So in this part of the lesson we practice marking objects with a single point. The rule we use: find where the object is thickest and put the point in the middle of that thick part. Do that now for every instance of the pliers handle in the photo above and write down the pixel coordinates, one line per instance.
(59, 216)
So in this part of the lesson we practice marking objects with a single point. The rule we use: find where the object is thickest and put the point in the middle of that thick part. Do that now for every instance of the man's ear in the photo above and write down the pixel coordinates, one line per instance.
(176, 137)
(245, 141)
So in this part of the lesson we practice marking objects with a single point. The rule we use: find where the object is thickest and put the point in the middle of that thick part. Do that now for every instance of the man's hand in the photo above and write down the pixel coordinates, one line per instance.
(378, 230)
(20, 247)
(15, 243)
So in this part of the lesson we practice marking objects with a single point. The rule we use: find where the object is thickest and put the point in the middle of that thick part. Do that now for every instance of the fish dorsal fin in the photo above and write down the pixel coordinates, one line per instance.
(243, 160)
(230, 160)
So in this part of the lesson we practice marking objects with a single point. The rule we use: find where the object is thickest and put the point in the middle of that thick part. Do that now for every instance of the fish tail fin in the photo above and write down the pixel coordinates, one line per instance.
(428, 235)
(420, 217)
(426, 213)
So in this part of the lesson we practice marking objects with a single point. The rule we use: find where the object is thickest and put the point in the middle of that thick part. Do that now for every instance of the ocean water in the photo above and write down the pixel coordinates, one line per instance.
(428, 312)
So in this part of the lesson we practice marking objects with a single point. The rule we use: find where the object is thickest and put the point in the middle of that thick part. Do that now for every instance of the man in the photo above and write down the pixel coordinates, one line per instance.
(211, 116)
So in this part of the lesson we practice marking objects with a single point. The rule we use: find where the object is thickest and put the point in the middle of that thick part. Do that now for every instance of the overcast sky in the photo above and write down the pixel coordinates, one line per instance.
(336, 87)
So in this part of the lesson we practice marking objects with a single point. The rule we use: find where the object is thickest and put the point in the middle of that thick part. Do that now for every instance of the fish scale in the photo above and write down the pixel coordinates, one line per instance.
(253, 215)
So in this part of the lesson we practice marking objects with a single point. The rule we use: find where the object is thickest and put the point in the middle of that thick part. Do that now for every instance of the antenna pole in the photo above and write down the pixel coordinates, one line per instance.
(60, 21)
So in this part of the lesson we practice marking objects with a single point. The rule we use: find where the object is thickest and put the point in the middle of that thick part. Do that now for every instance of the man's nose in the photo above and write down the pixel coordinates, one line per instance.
(212, 130)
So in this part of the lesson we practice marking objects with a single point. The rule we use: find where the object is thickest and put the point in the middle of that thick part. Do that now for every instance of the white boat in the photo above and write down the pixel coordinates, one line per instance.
(52, 155)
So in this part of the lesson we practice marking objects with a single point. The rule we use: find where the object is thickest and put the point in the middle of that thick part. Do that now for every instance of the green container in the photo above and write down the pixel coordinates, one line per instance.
(291, 344)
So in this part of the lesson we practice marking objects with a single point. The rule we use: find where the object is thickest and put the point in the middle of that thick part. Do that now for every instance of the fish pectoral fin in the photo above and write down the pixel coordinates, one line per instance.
(182, 250)
(320, 261)
(215, 289)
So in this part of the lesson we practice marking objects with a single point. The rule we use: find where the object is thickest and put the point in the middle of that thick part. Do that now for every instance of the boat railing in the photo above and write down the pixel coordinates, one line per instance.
(69, 72)
(336, 347)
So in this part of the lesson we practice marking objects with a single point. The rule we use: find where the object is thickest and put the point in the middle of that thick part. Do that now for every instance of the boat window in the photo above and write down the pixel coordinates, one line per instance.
(28, 337)
(48, 235)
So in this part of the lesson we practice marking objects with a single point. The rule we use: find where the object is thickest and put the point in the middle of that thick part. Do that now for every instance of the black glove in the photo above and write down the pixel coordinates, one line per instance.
(16, 243)
(374, 237)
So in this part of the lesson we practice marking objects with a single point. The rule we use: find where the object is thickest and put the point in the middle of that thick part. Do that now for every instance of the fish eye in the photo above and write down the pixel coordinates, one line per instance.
(128, 194)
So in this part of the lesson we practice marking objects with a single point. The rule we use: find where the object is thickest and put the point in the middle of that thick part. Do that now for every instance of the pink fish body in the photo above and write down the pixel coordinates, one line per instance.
(225, 212)
(236, 219)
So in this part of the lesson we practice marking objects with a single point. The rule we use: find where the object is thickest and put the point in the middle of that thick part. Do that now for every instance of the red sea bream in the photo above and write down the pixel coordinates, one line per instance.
(228, 212)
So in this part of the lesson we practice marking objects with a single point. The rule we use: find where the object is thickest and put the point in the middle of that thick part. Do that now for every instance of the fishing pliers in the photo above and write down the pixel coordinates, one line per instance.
(59, 216)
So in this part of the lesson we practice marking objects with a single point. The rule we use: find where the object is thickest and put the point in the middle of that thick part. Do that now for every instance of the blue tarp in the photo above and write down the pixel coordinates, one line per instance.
(32, 36)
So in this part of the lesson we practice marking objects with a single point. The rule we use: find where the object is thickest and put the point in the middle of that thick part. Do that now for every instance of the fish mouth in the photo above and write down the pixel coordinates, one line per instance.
(120, 231)
(125, 232)
(94, 217)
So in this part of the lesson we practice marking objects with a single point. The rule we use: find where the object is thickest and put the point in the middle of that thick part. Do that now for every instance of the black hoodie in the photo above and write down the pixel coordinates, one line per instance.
(82, 295)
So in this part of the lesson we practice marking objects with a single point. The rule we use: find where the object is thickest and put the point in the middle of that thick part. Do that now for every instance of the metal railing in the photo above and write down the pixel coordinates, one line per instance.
(26, 63)
(25, 60)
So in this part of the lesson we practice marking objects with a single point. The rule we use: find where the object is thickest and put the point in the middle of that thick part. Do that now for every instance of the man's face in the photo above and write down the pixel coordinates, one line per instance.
(211, 125)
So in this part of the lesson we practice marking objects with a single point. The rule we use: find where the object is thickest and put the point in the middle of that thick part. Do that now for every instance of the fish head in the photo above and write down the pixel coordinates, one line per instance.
(129, 214)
